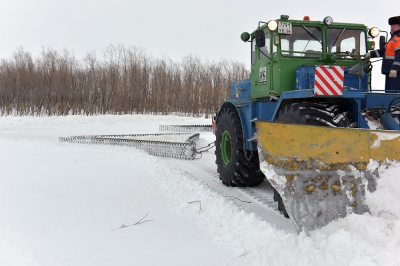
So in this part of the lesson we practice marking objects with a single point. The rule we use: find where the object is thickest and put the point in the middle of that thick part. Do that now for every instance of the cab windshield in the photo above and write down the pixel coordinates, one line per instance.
(304, 39)
(342, 41)
(307, 41)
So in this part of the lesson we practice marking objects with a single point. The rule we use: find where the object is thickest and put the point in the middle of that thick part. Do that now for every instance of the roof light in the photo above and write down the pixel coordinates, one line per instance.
(272, 25)
(374, 32)
(328, 21)
(307, 18)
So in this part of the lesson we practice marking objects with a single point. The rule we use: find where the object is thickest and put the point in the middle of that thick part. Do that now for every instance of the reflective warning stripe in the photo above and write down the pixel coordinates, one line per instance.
(319, 89)
(328, 80)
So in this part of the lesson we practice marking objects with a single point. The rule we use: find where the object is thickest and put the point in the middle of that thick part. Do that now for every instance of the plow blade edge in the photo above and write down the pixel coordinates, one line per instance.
(321, 173)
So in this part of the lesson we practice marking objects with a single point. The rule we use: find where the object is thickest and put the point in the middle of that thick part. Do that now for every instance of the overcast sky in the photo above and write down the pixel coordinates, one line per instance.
(207, 28)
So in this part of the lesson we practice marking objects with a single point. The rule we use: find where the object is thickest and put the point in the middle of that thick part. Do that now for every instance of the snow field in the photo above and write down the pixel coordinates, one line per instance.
(59, 203)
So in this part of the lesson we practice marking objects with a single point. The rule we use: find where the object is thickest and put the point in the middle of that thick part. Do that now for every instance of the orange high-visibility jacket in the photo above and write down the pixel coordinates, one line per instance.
(390, 54)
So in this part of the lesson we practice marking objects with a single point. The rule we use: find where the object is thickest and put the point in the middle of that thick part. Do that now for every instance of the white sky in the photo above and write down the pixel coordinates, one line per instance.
(207, 28)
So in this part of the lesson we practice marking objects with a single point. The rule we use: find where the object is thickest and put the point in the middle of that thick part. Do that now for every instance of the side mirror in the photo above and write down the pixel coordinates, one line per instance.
(382, 42)
(260, 38)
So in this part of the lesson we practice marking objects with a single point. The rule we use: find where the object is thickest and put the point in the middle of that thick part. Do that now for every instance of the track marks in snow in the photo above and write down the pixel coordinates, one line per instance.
(261, 197)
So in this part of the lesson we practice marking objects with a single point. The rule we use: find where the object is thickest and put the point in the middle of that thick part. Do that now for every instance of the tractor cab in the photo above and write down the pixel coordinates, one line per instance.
(279, 48)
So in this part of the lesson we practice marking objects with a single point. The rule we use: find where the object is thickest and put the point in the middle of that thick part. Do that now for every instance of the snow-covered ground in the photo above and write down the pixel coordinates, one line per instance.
(64, 204)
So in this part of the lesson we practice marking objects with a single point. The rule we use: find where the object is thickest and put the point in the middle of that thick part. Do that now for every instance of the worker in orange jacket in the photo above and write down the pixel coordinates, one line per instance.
(391, 57)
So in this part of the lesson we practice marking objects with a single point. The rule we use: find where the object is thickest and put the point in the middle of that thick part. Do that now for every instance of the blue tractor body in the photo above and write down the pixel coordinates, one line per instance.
(355, 100)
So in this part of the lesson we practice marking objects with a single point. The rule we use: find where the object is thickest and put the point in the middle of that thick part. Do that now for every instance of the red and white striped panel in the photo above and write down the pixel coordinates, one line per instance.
(329, 80)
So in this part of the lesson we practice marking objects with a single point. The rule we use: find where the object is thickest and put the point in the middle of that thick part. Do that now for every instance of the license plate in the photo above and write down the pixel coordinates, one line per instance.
(284, 27)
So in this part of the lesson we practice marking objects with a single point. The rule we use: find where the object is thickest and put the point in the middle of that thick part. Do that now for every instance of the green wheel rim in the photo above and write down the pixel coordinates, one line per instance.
(226, 147)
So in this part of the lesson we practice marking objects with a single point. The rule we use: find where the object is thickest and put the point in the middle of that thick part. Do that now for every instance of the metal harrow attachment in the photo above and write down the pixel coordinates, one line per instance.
(181, 150)
(186, 128)
(152, 143)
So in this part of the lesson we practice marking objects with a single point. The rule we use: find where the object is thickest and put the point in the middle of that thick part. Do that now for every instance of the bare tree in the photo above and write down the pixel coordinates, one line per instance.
(124, 80)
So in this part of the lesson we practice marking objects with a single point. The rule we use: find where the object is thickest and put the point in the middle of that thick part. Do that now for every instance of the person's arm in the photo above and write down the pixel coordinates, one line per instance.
(377, 52)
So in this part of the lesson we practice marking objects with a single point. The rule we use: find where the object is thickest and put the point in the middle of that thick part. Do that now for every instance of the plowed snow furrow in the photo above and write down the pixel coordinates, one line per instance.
(262, 194)
(261, 197)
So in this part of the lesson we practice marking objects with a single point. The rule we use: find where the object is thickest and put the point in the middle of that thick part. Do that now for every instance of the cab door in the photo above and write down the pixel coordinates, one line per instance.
(261, 68)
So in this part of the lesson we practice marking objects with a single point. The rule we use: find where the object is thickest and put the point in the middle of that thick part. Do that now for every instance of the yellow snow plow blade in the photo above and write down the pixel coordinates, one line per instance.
(321, 173)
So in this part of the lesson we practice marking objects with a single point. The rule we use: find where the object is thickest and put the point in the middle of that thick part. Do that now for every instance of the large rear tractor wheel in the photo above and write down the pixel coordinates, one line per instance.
(315, 113)
(233, 167)
(312, 113)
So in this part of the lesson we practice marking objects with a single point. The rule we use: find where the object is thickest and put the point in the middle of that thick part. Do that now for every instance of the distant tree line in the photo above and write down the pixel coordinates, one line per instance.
(124, 80)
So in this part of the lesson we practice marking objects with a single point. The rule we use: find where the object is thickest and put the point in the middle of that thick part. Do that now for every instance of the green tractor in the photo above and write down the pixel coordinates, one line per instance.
(300, 119)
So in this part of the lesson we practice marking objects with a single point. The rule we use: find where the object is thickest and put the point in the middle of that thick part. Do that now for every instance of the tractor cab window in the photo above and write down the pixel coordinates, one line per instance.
(303, 42)
(266, 50)
(342, 42)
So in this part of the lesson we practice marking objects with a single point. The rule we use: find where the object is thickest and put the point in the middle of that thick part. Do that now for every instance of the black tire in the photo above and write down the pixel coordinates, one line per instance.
(312, 113)
(233, 167)
(317, 114)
